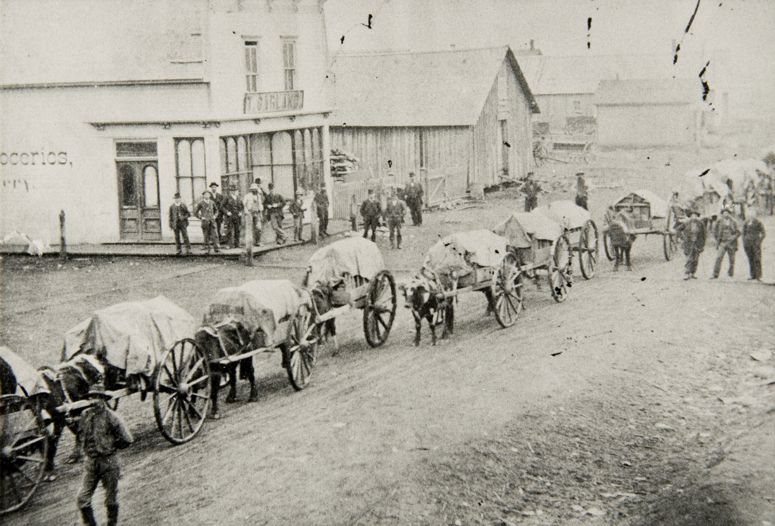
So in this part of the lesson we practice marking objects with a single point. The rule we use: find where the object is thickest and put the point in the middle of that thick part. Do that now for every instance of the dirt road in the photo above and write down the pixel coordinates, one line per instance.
(635, 401)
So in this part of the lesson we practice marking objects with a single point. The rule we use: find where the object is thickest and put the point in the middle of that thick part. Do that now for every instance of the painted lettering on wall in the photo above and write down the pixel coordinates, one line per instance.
(37, 158)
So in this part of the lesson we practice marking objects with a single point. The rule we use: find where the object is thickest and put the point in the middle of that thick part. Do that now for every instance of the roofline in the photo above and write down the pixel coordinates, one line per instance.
(655, 103)
(104, 83)
(345, 126)
(209, 121)
(388, 52)
(522, 80)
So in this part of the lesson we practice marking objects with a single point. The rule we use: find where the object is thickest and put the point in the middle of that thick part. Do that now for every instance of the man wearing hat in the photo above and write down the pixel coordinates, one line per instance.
(101, 432)
(321, 210)
(370, 211)
(206, 211)
(253, 204)
(179, 215)
(753, 235)
(692, 231)
(275, 204)
(726, 233)
(413, 194)
(394, 213)
(530, 189)
(218, 199)
(582, 191)
(297, 210)
(232, 210)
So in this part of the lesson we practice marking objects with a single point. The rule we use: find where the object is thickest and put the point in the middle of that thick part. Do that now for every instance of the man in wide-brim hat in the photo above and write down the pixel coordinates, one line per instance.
(692, 231)
(101, 432)
(218, 199)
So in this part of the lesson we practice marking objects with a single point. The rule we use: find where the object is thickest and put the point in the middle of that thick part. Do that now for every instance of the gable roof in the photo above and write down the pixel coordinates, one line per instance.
(437, 88)
(647, 91)
(563, 75)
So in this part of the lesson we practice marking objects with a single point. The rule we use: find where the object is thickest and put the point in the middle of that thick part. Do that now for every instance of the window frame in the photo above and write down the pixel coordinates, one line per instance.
(191, 177)
(251, 73)
(290, 62)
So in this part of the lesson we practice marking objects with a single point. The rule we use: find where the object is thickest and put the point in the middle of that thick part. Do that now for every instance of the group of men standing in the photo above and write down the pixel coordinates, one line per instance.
(393, 214)
(726, 233)
(255, 209)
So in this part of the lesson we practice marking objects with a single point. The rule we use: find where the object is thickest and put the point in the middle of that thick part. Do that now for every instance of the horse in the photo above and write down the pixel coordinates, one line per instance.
(214, 339)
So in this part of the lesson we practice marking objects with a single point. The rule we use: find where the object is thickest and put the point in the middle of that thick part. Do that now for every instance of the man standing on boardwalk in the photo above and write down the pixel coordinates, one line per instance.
(394, 213)
(297, 210)
(101, 432)
(206, 211)
(726, 234)
(274, 206)
(218, 199)
(753, 235)
(253, 206)
(371, 210)
(321, 210)
(413, 194)
(530, 189)
(179, 215)
(582, 191)
(692, 231)
(232, 210)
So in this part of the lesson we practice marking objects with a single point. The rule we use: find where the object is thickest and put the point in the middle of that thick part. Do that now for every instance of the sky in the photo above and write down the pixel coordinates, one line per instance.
(737, 36)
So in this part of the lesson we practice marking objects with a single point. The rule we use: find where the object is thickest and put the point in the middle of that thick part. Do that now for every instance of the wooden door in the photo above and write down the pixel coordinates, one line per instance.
(138, 197)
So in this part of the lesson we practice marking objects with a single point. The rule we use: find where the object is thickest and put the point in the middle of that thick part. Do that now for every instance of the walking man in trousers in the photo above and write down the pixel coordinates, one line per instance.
(179, 215)
(726, 234)
(753, 235)
(102, 432)
(206, 210)
(413, 195)
(692, 231)
(371, 210)
(394, 213)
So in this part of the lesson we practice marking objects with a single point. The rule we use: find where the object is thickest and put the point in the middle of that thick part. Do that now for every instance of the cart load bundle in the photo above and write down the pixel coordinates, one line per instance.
(353, 256)
(18, 377)
(646, 206)
(567, 213)
(472, 256)
(132, 335)
(704, 195)
(742, 175)
(254, 310)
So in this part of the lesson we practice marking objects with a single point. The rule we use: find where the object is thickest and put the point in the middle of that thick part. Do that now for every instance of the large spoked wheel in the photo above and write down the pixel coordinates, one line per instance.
(380, 310)
(589, 245)
(302, 347)
(181, 397)
(608, 247)
(507, 292)
(669, 238)
(23, 448)
(560, 269)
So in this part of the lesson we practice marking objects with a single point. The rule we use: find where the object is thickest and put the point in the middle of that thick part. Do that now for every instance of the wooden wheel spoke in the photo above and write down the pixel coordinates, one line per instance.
(179, 411)
(172, 402)
(195, 410)
(170, 375)
(195, 368)
(185, 411)
(199, 380)
(23, 474)
(27, 444)
(30, 459)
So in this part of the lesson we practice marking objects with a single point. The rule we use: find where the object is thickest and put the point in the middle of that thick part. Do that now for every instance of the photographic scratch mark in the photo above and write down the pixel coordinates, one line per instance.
(589, 31)
(705, 84)
(507, 144)
(368, 24)
(686, 31)
(390, 163)
(704, 172)
(341, 40)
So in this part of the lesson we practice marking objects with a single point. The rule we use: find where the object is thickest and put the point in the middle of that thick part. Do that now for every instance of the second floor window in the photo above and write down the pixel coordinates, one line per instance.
(289, 63)
(251, 65)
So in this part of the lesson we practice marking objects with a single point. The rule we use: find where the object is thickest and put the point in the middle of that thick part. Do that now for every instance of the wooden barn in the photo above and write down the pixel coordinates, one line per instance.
(462, 114)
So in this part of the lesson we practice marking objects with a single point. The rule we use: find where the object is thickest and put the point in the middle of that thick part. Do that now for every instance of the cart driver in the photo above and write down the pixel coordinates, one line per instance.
(102, 433)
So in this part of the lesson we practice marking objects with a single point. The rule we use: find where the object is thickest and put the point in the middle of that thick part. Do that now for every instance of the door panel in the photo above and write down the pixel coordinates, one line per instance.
(139, 212)
(151, 214)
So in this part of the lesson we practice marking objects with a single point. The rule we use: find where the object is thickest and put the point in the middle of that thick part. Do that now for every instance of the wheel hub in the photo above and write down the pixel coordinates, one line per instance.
(6, 452)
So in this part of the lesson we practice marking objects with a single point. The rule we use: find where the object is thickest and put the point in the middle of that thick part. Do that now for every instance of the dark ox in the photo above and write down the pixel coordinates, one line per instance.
(426, 301)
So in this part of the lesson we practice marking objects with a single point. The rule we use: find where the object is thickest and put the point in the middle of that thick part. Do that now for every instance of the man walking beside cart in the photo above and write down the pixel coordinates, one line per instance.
(531, 190)
(102, 433)
(274, 206)
(371, 210)
(413, 194)
(692, 231)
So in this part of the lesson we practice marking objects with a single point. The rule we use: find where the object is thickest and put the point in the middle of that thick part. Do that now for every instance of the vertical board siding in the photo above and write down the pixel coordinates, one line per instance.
(485, 165)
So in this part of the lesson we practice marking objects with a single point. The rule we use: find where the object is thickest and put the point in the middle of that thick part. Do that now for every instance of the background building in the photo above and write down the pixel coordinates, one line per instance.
(463, 113)
(110, 107)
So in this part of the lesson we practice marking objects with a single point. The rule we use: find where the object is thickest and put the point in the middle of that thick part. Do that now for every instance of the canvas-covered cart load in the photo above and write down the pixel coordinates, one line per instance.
(581, 231)
(261, 316)
(350, 274)
(641, 212)
(739, 175)
(539, 243)
(23, 435)
(469, 257)
(704, 195)
(141, 341)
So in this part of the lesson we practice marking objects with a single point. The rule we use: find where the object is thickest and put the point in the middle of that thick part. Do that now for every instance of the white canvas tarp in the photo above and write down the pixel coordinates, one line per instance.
(355, 256)
(741, 173)
(28, 381)
(260, 304)
(565, 212)
(134, 334)
(520, 227)
(461, 250)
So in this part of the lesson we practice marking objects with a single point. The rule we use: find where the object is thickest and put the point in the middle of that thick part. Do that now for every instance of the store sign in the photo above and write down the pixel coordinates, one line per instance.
(273, 101)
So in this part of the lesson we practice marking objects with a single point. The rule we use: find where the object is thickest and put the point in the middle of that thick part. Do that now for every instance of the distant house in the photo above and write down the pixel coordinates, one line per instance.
(645, 113)
(466, 112)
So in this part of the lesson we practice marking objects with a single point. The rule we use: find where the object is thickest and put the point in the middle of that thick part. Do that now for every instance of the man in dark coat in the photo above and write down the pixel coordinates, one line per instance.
(101, 432)
(206, 211)
(296, 208)
(726, 233)
(753, 235)
(394, 215)
(370, 211)
(321, 209)
(232, 210)
(413, 193)
(530, 189)
(179, 215)
(218, 199)
(582, 191)
(274, 205)
(692, 231)
(621, 239)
